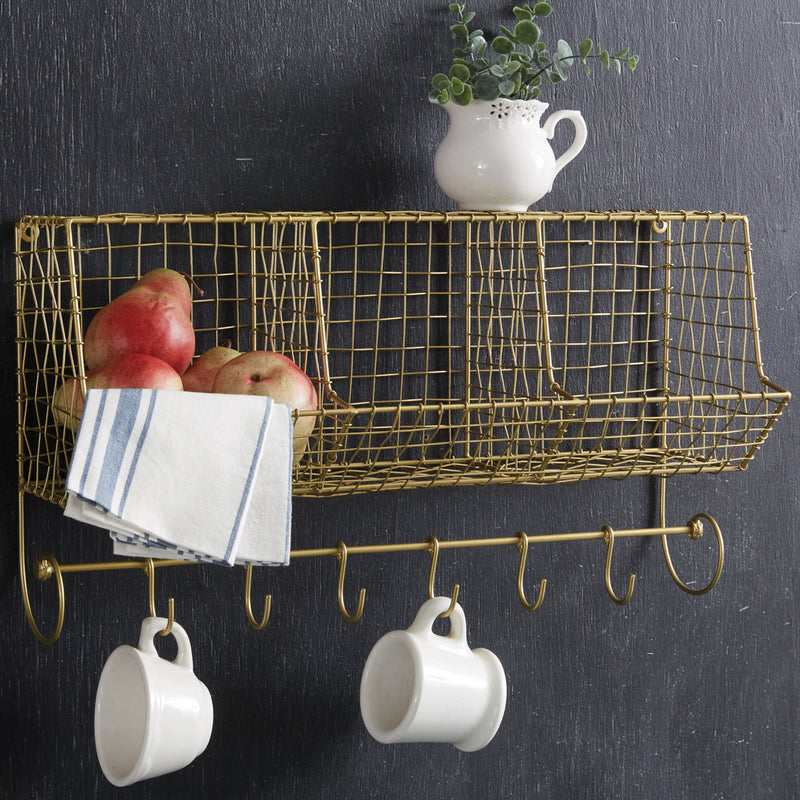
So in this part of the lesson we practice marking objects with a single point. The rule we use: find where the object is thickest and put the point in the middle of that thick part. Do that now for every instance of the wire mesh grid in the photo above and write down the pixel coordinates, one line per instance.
(448, 347)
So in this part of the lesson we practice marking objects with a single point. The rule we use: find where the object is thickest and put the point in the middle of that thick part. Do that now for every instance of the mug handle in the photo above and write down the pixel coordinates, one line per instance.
(153, 625)
(578, 141)
(430, 610)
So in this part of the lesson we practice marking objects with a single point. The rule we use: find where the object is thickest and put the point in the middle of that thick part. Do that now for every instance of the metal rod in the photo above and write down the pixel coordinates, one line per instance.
(100, 566)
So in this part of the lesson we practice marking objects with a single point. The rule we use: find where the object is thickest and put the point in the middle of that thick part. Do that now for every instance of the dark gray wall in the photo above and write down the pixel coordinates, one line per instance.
(196, 106)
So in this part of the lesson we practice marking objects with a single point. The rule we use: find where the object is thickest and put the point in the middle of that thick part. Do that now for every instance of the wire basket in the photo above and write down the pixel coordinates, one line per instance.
(449, 348)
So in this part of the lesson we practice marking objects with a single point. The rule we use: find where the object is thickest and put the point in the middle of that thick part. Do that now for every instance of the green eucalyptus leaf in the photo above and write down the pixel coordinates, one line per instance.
(527, 32)
(506, 88)
(444, 96)
(522, 13)
(585, 47)
(468, 17)
(487, 87)
(457, 86)
(497, 71)
(563, 50)
(622, 53)
(464, 98)
(459, 30)
(605, 59)
(440, 81)
(633, 62)
(542, 10)
(477, 45)
(460, 71)
(502, 44)
(455, 8)
(562, 59)
(618, 65)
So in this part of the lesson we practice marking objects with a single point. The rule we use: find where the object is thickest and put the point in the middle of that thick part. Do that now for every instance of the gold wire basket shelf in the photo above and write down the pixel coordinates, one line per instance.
(450, 348)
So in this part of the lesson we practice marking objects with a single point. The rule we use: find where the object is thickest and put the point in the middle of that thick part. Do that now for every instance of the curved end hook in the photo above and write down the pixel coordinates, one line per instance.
(248, 606)
(46, 567)
(170, 617)
(609, 540)
(522, 546)
(433, 549)
(150, 570)
(696, 526)
(342, 556)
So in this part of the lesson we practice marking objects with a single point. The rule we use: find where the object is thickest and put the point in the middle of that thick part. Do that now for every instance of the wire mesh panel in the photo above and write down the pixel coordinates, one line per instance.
(448, 348)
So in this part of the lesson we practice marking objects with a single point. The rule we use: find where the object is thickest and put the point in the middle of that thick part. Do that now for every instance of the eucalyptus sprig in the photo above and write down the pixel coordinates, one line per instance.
(514, 63)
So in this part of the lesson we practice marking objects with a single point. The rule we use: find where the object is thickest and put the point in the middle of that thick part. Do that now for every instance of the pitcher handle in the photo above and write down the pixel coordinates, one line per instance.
(578, 141)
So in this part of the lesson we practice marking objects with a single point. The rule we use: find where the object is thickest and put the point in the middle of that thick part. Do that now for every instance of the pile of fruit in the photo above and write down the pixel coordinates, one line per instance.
(144, 339)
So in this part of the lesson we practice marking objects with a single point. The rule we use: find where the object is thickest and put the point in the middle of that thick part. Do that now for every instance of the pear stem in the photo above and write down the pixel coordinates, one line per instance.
(193, 283)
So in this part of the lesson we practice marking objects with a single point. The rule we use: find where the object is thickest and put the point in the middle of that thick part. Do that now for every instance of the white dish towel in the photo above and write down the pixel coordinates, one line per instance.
(188, 475)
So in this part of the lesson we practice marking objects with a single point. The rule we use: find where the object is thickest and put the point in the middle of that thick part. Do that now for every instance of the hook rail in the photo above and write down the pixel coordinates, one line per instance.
(46, 567)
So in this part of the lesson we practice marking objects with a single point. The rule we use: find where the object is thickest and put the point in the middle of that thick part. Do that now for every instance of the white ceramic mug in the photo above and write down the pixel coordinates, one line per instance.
(152, 715)
(419, 686)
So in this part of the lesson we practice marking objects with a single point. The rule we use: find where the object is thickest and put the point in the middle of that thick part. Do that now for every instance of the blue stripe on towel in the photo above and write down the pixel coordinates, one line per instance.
(90, 453)
(120, 432)
(234, 535)
(138, 450)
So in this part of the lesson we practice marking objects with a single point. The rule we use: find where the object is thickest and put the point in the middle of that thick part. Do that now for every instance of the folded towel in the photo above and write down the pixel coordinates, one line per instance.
(195, 476)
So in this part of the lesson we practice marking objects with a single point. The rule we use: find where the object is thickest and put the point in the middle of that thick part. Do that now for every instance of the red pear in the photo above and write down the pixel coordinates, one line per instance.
(152, 317)
(200, 375)
(68, 404)
(262, 372)
(128, 371)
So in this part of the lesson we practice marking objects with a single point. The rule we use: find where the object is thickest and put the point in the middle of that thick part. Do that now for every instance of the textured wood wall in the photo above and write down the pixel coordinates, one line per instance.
(203, 106)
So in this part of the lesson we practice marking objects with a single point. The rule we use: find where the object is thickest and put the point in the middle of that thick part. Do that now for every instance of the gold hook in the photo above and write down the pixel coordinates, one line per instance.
(433, 549)
(150, 570)
(342, 556)
(696, 525)
(46, 567)
(522, 546)
(248, 606)
(609, 540)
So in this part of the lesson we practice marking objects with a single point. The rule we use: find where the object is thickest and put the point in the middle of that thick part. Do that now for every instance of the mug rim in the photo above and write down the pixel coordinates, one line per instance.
(412, 646)
(133, 774)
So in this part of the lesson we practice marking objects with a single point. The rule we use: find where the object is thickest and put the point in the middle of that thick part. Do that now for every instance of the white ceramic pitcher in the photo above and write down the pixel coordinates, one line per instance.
(496, 155)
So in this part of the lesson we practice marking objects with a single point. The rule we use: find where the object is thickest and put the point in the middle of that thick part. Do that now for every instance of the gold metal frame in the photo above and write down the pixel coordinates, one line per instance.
(450, 348)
